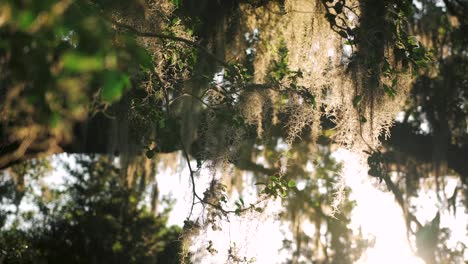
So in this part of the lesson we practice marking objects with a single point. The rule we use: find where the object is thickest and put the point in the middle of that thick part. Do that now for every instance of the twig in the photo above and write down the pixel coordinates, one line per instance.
(203, 201)
(194, 192)
(175, 38)
(191, 95)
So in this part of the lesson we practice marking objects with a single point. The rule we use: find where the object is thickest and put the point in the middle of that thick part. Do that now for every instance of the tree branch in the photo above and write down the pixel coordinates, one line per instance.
(204, 201)
(174, 38)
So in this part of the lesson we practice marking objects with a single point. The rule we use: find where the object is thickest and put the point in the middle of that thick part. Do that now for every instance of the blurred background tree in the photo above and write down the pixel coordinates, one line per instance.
(429, 143)
(93, 218)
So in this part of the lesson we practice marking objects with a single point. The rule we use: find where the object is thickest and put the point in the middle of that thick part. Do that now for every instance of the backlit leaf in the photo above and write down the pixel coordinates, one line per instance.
(75, 62)
(114, 85)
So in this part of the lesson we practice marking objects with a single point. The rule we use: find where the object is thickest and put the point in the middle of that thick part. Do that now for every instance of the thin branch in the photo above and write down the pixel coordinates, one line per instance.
(351, 10)
(203, 201)
(192, 178)
(303, 11)
(194, 192)
(191, 95)
(174, 38)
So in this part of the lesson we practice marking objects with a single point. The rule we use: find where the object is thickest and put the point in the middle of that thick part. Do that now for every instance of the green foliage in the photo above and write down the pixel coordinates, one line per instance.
(279, 69)
(76, 63)
(278, 187)
(281, 75)
(114, 85)
(56, 56)
(235, 258)
(95, 218)
(387, 29)
(357, 99)
(210, 248)
(177, 3)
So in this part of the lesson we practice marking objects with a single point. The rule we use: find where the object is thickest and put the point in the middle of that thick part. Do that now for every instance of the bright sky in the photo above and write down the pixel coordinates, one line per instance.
(377, 214)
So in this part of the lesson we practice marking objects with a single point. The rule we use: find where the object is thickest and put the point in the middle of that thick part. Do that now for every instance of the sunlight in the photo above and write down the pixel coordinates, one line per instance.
(258, 237)
(376, 214)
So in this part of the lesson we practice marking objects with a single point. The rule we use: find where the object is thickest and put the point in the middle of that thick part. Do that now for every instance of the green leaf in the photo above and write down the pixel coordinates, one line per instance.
(54, 119)
(223, 199)
(291, 184)
(386, 66)
(144, 58)
(25, 19)
(389, 90)
(150, 153)
(117, 247)
(338, 7)
(356, 100)
(162, 123)
(330, 17)
(114, 85)
(311, 98)
(343, 34)
(349, 42)
(79, 63)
